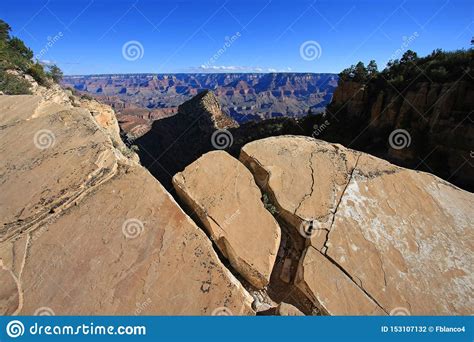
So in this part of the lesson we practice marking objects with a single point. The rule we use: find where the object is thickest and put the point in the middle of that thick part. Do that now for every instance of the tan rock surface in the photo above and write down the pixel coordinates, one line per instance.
(22, 107)
(227, 201)
(104, 115)
(403, 237)
(304, 179)
(47, 163)
(85, 231)
(116, 253)
(285, 309)
(333, 290)
(407, 238)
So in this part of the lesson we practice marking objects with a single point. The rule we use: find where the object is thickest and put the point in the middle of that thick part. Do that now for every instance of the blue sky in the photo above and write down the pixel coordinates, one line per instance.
(101, 36)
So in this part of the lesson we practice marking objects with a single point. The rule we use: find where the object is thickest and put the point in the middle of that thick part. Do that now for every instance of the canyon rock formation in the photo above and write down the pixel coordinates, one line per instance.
(87, 230)
(142, 98)
(436, 116)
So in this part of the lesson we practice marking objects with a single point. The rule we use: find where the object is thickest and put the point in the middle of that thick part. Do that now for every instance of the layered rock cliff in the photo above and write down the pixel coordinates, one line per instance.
(436, 118)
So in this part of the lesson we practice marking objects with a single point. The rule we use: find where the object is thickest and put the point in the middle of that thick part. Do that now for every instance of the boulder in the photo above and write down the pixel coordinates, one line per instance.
(227, 202)
(135, 252)
(401, 238)
(406, 237)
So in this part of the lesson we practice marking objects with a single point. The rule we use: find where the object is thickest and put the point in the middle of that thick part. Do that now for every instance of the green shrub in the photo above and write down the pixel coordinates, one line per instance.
(13, 85)
(86, 97)
(269, 205)
(55, 73)
(36, 70)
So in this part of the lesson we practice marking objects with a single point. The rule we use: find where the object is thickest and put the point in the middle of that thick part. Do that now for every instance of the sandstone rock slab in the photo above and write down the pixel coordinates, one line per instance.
(123, 251)
(285, 309)
(47, 163)
(407, 238)
(304, 179)
(333, 290)
(22, 107)
(403, 237)
(227, 201)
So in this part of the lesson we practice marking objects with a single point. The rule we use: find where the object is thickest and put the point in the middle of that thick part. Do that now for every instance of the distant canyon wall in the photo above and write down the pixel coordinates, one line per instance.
(246, 97)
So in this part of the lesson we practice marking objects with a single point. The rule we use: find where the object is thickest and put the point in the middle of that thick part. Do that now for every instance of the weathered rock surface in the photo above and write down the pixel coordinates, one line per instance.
(334, 291)
(104, 115)
(205, 108)
(304, 179)
(400, 238)
(285, 309)
(87, 231)
(47, 164)
(224, 196)
(407, 238)
(24, 107)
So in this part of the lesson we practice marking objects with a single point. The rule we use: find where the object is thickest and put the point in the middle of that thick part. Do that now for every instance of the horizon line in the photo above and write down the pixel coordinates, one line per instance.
(207, 73)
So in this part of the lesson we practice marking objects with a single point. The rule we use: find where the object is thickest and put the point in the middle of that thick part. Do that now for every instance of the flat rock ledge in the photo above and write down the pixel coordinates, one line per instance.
(380, 239)
(227, 202)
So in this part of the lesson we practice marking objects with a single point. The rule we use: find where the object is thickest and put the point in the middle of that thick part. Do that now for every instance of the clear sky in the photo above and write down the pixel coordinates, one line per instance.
(105, 36)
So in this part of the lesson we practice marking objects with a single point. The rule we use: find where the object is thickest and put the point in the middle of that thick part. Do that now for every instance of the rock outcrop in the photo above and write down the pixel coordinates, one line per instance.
(223, 195)
(437, 119)
(177, 141)
(206, 110)
(380, 237)
(305, 180)
(87, 230)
